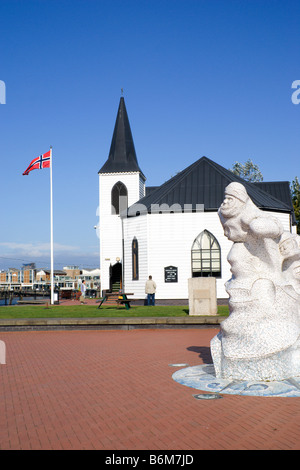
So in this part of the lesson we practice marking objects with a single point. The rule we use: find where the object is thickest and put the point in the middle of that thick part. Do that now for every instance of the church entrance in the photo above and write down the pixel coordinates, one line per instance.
(115, 277)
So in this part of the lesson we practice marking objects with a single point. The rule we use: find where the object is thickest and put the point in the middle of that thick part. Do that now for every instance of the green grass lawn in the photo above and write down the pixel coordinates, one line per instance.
(88, 311)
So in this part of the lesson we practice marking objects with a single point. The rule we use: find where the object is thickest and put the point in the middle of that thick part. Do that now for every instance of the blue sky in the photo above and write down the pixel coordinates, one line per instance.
(200, 77)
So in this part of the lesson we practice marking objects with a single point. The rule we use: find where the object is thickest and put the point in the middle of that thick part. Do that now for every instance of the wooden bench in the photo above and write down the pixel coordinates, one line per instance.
(126, 302)
(101, 301)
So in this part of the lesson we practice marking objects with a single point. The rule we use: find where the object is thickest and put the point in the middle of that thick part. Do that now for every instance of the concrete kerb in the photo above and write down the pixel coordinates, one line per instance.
(17, 324)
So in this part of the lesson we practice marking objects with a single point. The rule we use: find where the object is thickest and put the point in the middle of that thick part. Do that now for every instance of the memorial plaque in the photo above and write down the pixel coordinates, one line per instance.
(171, 274)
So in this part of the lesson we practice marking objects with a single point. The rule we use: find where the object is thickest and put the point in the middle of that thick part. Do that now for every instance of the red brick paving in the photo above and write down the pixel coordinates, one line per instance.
(113, 390)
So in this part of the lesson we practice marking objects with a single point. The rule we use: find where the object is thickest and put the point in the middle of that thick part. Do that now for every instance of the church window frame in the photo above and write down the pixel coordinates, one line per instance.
(135, 259)
(206, 256)
(119, 198)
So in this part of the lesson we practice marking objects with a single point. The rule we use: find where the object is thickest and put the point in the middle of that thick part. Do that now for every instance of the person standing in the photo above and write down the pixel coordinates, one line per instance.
(83, 290)
(150, 289)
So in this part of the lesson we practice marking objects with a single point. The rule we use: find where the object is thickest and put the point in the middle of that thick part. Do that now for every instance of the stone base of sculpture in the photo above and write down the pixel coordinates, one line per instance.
(203, 378)
(202, 296)
(280, 366)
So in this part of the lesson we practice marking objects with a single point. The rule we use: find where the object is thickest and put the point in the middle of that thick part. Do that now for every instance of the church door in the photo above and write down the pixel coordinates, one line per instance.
(116, 277)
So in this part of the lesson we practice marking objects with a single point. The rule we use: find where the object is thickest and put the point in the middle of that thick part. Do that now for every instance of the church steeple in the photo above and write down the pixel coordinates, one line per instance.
(122, 156)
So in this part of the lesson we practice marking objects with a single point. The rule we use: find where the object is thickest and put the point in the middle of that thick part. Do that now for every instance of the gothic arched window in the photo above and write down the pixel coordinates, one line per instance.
(206, 256)
(135, 259)
(119, 198)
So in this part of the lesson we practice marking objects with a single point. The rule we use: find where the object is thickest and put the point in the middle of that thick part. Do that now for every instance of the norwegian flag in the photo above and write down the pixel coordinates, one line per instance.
(43, 161)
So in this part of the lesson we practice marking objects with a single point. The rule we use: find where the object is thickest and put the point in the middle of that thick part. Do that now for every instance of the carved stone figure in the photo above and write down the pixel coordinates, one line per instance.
(260, 339)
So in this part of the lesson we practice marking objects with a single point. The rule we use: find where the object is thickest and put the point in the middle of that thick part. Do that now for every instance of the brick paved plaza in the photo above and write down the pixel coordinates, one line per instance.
(113, 390)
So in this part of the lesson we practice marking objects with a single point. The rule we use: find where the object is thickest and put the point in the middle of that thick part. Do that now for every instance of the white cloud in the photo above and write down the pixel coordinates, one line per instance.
(15, 254)
(35, 249)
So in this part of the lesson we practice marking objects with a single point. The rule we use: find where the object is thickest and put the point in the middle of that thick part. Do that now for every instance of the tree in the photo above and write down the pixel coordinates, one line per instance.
(295, 193)
(249, 171)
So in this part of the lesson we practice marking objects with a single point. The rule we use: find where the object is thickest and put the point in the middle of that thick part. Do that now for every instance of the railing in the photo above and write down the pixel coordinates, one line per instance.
(9, 295)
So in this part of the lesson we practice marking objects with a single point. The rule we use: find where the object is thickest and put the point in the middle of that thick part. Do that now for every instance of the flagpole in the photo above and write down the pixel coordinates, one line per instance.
(51, 229)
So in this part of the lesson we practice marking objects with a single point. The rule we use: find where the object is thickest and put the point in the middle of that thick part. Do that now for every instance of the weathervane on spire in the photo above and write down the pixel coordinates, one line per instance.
(122, 91)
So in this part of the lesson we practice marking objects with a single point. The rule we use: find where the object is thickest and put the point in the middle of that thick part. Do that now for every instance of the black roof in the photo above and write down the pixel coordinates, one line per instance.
(279, 189)
(122, 156)
(150, 189)
(204, 182)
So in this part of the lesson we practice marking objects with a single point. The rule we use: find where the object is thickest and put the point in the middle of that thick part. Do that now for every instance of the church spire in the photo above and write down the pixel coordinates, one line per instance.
(122, 156)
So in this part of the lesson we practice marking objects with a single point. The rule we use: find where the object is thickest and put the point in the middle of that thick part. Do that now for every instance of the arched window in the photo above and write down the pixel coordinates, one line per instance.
(206, 256)
(119, 198)
(135, 259)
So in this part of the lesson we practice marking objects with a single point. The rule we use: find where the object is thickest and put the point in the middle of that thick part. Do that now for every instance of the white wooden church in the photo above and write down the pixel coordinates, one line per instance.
(172, 231)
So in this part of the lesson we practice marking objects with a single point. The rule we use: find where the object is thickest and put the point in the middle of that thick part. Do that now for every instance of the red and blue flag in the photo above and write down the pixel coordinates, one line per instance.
(43, 161)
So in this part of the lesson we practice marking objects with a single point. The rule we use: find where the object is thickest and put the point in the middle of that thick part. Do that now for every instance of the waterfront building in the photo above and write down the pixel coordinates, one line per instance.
(44, 274)
(14, 278)
(72, 271)
(28, 277)
(91, 278)
(172, 231)
(28, 272)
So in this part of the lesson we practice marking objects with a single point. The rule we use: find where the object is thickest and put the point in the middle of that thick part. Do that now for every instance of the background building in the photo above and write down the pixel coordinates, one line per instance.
(14, 278)
(29, 277)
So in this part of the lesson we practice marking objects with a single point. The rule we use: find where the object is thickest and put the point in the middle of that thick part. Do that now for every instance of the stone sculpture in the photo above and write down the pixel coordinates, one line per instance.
(260, 339)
